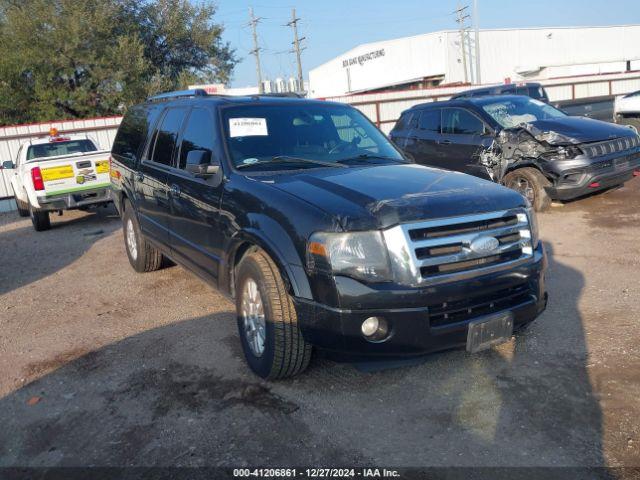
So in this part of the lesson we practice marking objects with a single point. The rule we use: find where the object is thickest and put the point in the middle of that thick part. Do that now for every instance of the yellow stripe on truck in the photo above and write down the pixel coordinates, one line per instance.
(57, 173)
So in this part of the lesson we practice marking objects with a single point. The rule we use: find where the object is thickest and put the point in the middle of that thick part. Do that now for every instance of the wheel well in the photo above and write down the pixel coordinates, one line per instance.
(529, 165)
(239, 254)
(246, 248)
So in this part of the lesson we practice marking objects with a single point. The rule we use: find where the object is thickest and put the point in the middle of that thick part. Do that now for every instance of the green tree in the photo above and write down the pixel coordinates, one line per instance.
(81, 58)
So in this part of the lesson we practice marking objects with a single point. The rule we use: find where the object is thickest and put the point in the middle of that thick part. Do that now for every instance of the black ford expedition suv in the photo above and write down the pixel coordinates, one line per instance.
(321, 230)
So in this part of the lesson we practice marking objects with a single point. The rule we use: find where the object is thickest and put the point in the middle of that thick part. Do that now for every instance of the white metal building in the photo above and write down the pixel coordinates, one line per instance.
(437, 58)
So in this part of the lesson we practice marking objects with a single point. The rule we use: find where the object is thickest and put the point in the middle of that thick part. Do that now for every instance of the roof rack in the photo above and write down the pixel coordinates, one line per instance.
(280, 94)
(196, 92)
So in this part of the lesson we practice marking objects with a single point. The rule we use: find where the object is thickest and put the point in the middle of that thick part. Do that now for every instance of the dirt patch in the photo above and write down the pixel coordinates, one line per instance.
(179, 387)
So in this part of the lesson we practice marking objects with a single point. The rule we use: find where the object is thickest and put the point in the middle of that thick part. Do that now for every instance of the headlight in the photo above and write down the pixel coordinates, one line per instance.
(563, 153)
(361, 255)
(533, 227)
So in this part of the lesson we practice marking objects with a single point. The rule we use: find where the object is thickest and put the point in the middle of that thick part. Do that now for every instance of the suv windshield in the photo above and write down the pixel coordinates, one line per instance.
(302, 136)
(53, 149)
(511, 112)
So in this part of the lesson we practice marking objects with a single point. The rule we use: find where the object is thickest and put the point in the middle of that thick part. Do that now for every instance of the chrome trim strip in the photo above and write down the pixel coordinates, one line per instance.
(466, 238)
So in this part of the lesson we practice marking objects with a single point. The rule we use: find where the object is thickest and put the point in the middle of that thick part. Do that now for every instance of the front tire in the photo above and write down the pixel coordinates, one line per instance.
(40, 219)
(531, 184)
(143, 256)
(271, 339)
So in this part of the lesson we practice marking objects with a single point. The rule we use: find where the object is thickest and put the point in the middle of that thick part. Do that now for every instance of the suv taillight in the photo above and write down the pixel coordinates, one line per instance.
(36, 176)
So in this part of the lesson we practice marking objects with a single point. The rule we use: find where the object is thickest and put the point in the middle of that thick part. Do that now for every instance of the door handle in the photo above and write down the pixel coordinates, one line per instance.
(139, 176)
(443, 142)
(175, 190)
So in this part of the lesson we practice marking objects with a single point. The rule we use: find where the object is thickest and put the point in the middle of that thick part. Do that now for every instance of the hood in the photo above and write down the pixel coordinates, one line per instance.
(574, 130)
(375, 197)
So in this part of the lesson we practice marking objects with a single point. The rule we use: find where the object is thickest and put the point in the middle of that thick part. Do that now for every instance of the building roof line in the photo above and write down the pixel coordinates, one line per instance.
(441, 32)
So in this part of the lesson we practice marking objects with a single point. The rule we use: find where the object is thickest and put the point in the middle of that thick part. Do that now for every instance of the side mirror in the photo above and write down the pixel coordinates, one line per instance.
(7, 165)
(199, 163)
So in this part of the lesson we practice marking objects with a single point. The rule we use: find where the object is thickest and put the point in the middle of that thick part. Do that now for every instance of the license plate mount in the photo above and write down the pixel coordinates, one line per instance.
(486, 332)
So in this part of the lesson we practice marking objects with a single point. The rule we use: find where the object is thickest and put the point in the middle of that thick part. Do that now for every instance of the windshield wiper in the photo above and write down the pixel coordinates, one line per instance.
(369, 156)
(289, 159)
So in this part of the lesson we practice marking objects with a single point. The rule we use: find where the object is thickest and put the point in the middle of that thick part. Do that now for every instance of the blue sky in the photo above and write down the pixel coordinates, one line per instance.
(333, 27)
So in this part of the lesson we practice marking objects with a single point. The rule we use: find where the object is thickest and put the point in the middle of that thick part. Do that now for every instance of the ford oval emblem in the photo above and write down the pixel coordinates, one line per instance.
(484, 245)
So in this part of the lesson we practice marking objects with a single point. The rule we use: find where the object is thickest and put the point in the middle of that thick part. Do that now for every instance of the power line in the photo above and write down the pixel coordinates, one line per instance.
(296, 46)
(256, 49)
(477, 29)
(461, 17)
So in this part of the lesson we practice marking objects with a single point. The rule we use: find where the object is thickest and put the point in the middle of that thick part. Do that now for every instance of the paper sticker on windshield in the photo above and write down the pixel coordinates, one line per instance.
(247, 127)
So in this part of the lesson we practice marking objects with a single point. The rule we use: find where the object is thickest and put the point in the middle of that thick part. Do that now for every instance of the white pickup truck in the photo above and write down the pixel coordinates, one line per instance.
(58, 173)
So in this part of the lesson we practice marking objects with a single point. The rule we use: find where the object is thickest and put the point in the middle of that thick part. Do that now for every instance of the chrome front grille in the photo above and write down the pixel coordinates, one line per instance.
(608, 147)
(450, 249)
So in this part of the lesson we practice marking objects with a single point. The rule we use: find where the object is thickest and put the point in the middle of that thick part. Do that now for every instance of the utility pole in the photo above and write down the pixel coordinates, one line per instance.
(476, 22)
(296, 46)
(461, 16)
(256, 49)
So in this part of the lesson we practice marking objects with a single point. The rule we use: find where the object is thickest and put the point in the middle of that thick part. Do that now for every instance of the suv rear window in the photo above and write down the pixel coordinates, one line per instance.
(54, 149)
(133, 132)
(406, 120)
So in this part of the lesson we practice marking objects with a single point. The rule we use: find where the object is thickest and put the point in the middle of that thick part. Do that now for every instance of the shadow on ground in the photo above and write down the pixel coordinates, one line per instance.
(69, 238)
(180, 395)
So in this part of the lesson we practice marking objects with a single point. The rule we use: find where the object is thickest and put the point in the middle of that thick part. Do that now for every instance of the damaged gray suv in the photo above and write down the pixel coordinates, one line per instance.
(522, 143)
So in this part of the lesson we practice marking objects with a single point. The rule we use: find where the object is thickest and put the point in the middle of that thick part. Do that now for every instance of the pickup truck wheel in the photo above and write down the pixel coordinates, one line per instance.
(530, 183)
(267, 321)
(143, 256)
(23, 207)
(40, 219)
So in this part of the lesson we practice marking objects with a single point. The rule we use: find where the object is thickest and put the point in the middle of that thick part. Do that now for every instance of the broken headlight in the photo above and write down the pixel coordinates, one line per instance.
(361, 255)
(568, 152)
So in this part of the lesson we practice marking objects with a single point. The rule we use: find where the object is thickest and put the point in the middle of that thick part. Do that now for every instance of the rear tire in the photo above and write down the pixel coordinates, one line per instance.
(530, 183)
(143, 256)
(23, 207)
(261, 292)
(40, 219)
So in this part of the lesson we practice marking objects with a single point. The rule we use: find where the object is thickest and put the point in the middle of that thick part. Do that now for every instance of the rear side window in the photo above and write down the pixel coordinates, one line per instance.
(54, 149)
(457, 121)
(167, 135)
(405, 121)
(198, 135)
(430, 120)
(133, 132)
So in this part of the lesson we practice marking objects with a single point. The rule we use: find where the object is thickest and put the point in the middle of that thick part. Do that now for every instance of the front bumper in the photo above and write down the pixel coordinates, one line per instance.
(69, 201)
(576, 179)
(422, 320)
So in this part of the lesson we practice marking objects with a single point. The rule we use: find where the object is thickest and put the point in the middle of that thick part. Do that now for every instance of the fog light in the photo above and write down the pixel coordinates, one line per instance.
(375, 329)
(370, 326)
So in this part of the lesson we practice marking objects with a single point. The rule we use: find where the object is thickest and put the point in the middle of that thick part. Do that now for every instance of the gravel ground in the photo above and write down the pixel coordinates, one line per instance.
(103, 366)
